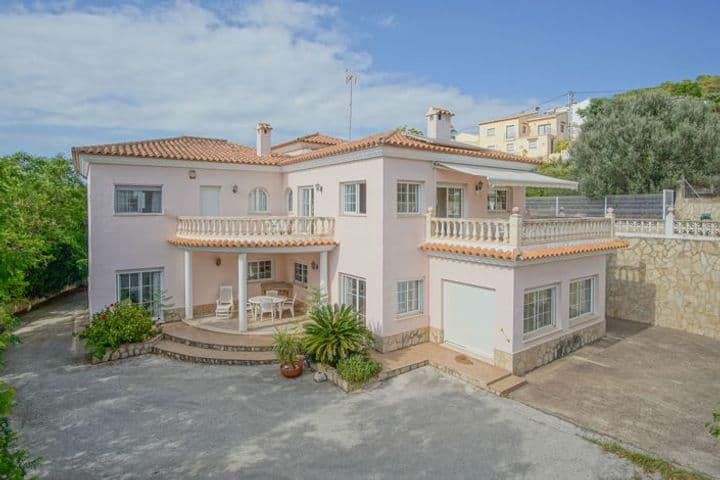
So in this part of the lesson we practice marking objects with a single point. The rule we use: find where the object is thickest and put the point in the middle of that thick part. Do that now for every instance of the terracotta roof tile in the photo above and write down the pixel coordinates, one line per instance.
(244, 243)
(316, 138)
(529, 254)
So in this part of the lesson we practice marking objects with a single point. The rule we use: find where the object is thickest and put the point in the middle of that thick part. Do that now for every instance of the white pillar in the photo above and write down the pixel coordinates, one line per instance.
(188, 285)
(242, 292)
(323, 272)
(670, 222)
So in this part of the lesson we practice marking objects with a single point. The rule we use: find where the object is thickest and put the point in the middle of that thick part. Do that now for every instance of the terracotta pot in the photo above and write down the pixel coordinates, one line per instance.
(291, 370)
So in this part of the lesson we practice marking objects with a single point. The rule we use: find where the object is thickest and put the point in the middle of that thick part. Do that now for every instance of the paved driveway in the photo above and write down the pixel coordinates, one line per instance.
(150, 417)
(650, 387)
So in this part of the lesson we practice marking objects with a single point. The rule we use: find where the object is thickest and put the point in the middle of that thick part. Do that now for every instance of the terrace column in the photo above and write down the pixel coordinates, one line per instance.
(242, 292)
(188, 284)
(323, 272)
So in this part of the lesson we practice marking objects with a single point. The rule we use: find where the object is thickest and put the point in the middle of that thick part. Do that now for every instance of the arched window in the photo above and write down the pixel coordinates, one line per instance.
(258, 201)
(289, 200)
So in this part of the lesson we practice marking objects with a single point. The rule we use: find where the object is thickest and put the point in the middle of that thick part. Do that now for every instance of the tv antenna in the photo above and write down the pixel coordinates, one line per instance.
(351, 80)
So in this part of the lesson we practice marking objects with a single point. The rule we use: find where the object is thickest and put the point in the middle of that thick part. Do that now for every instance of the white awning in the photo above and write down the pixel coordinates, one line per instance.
(511, 178)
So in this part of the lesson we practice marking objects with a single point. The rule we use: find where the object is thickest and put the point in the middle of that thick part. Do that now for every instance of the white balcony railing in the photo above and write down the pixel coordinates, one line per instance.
(514, 232)
(230, 228)
(669, 227)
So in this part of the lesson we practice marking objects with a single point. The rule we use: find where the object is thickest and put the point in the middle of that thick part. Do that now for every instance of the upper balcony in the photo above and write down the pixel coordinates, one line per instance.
(255, 231)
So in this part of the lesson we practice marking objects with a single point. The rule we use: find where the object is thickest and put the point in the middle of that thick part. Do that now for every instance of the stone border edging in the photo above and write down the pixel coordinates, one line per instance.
(334, 377)
(126, 350)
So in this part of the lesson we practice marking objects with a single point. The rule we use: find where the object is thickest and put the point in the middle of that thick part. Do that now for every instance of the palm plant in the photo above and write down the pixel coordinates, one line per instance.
(334, 332)
(288, 345)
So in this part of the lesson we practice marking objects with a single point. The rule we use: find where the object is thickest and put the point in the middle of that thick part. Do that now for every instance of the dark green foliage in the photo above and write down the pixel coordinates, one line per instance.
(14, 462)
(117, 324)
(557, 169)
(358, 369)
(646, 142)
(706, 87)
(714, 426)
(288, 345)
(335, 332)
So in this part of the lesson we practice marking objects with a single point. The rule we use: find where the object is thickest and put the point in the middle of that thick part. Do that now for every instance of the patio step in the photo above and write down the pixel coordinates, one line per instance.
(182, 333)
(187, 353)
(506, 385)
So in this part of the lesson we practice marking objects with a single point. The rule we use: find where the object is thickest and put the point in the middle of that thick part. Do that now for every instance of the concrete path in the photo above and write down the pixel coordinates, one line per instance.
(650, 387)
(150, 417)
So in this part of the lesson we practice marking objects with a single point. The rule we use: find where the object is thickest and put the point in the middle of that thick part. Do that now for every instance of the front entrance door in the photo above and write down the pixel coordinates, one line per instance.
(450, 202)
(210, 201)
(469, 317)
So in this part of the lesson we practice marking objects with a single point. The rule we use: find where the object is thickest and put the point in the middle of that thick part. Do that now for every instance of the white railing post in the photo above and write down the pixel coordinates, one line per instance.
(610, 214)
(515, 226)
(428, 223)
(670, 222)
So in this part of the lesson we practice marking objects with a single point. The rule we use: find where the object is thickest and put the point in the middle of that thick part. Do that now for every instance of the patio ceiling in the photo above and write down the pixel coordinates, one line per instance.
(510, 178)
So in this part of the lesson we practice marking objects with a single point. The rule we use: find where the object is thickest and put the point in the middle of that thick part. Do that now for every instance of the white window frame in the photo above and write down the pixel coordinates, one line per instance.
(490, 132)
(418, 198)
(409, 297)
(553, 310)
(593, 290)
(254, 200)
(510, 147)
(140, 190)
(493, 206)
(532, 144)
(306, 192)
(544, 129)
(257, 277)
(463, 197)
(157, 310)
(359, 299)
(514, 132)
(304, 273)
(345, 188)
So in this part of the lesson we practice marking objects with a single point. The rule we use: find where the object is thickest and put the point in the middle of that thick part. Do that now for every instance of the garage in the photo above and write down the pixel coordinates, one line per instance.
(469, 317)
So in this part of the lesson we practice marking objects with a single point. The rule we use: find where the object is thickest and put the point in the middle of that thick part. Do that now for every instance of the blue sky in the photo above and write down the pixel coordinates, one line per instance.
(94, 72)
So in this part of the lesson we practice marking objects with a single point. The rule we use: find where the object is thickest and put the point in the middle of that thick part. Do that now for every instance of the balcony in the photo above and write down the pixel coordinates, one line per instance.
(516, 232)
(255, 228)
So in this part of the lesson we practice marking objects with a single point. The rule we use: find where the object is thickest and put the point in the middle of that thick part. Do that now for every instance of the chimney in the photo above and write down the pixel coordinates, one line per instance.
(263, 139)
(439, 124)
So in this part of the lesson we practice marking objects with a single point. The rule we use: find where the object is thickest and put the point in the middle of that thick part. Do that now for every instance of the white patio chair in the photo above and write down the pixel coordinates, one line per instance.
(267, 306)
(272, 293)
(288, 304)
(251, 310)
(224, 304)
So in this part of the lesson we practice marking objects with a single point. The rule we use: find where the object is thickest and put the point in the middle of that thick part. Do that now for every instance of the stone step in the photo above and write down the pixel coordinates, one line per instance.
(506, 385)
(182, 333)
(187, 353)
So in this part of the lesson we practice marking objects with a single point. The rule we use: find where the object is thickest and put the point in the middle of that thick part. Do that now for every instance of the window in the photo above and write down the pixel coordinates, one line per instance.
(450, 202)
(532, 144)
(258, 200)
(289, 200)
(490, 132)
(353, 198)
(138, 199)
(408, 197)
(260, 270)
(510, 147)
(301, 273)
(352, 292)
(544, 129)
(510, 132)
(539, 309)
(143, 288)
(562, 127)
(497, 199)
(582, 297)
(409, 296)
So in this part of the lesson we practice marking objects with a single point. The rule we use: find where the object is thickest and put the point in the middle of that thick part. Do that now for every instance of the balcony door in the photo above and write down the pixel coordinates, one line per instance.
(210, 201)
(307, 202)
(450, 202)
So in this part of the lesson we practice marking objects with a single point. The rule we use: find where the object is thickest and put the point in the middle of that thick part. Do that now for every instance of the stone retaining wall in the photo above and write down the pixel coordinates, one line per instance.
(692, 208)
(402, 340)
(126, 351)
(667, 282)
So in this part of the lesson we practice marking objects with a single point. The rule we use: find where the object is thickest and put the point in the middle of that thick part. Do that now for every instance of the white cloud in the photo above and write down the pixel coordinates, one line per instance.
(184, 68)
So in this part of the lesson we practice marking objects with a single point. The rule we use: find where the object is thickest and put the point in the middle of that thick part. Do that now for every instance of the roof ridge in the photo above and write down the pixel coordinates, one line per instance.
(149, 140)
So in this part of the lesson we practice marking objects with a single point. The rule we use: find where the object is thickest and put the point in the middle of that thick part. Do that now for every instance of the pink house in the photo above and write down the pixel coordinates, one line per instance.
(427, 237)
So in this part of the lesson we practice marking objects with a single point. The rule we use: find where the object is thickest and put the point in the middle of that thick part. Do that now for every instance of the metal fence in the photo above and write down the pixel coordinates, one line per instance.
(652, 205)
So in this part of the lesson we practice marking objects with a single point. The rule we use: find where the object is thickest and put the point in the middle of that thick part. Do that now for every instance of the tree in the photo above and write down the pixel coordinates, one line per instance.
(553, 168)
(646, 142)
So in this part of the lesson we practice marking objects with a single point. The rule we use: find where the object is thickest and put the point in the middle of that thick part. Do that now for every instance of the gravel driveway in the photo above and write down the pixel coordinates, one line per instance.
(150, 417)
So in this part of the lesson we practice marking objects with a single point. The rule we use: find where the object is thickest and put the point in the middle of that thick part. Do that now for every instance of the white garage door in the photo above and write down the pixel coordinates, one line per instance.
(469, 317)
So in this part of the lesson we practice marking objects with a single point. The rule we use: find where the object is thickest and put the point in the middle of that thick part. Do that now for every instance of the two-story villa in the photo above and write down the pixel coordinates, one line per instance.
(425, 236)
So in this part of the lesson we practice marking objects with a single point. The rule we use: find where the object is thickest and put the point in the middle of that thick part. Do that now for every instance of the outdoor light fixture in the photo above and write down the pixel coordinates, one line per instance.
(318, 187)
(218, 261)
(235, 188)
(478, 187)
(192, 174)
(313, 265)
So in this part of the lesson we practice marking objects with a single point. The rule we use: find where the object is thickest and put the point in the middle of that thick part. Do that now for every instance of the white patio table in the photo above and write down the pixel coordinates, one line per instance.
(256, 301)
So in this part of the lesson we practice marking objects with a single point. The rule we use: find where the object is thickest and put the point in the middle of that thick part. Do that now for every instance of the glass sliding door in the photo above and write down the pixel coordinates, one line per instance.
(450, 202)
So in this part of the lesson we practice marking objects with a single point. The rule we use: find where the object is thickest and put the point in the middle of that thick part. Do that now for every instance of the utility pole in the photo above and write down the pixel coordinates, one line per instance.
(571, 117)
(350, 81)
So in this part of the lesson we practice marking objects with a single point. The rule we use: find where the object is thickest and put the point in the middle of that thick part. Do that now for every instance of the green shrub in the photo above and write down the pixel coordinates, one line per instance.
(118, 323)
(714, 426)
(288, 345)
(335, 332)
(358, 369)
(14, 462)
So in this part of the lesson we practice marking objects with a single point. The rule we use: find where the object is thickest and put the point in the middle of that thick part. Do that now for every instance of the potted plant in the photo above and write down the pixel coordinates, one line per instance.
(288, 347)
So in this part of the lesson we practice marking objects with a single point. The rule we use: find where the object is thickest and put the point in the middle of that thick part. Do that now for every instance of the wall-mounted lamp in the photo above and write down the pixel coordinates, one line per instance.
(234, 188)
(218, 261)
(318, 187)
(192, 174)
(314, 265)
(478, 187)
